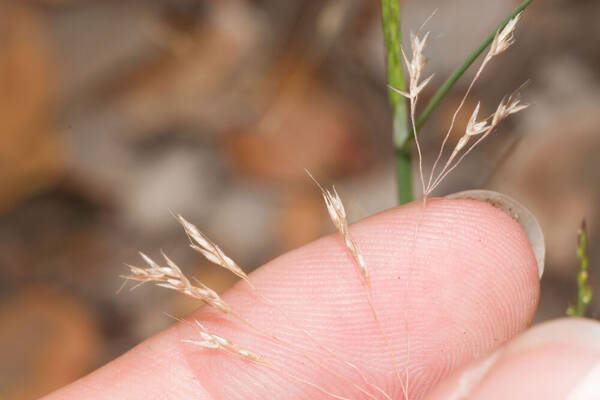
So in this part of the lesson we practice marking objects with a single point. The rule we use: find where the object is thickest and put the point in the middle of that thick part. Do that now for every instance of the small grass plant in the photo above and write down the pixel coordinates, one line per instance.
(584, 290)
(403, 134)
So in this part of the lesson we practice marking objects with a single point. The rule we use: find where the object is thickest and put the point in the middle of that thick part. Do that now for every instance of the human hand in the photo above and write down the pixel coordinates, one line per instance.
(451, 301)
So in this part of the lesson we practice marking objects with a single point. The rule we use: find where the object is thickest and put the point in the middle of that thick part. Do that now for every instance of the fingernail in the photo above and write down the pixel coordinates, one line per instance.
(519, 213)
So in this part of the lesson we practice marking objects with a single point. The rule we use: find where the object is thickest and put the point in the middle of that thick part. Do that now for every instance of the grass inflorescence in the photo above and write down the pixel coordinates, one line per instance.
(584, 290)
(403, 133)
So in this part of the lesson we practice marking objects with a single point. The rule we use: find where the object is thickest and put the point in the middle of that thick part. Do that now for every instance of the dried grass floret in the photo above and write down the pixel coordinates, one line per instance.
(212, 341)
(474, 127)
(213, 253)
(507, 106)
(415, 67)
(504, 38)
(337, 214)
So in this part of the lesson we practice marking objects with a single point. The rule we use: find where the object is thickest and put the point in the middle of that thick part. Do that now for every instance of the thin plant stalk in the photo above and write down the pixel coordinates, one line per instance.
(392, 33)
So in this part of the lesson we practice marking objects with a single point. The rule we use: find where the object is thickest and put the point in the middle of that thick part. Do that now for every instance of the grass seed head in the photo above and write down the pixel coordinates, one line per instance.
(474, 128)
(504, 38)
(171, 277)
(337, 213)
(507, 106)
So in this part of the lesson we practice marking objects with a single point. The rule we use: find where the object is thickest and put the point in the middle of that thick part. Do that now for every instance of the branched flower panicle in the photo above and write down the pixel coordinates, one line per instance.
(503, 40)
(171, 277)
(508, 106)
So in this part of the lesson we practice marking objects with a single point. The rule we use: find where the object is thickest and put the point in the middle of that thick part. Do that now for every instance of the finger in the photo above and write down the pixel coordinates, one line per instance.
(556, 360)
(460, 284)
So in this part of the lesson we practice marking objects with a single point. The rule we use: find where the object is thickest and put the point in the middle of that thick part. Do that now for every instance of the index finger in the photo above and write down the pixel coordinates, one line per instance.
(464, 283)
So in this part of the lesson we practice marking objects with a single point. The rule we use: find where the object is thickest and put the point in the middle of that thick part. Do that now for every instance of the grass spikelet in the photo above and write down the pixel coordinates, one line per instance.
(474, 128)
(504, 38)
(171, 277)
(415, 67)
(337, 214)
(509, 106)
(213, 253)
(213, 341)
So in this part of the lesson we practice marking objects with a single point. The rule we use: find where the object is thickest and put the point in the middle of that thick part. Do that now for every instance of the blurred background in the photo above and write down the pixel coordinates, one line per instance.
(114, 112)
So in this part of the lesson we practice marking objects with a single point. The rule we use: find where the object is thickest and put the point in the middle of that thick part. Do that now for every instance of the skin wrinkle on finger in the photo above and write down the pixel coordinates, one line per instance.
(473, 286)
(321, 291)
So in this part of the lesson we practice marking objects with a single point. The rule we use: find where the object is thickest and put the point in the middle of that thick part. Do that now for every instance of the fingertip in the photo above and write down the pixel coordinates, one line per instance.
(516, 211)
(458, 277)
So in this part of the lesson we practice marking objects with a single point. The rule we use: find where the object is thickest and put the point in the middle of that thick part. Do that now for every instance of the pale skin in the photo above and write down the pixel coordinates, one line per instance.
(473, 288)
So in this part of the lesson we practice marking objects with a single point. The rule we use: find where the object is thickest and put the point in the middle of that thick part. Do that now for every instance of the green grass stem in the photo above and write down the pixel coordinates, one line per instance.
(584, 290)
